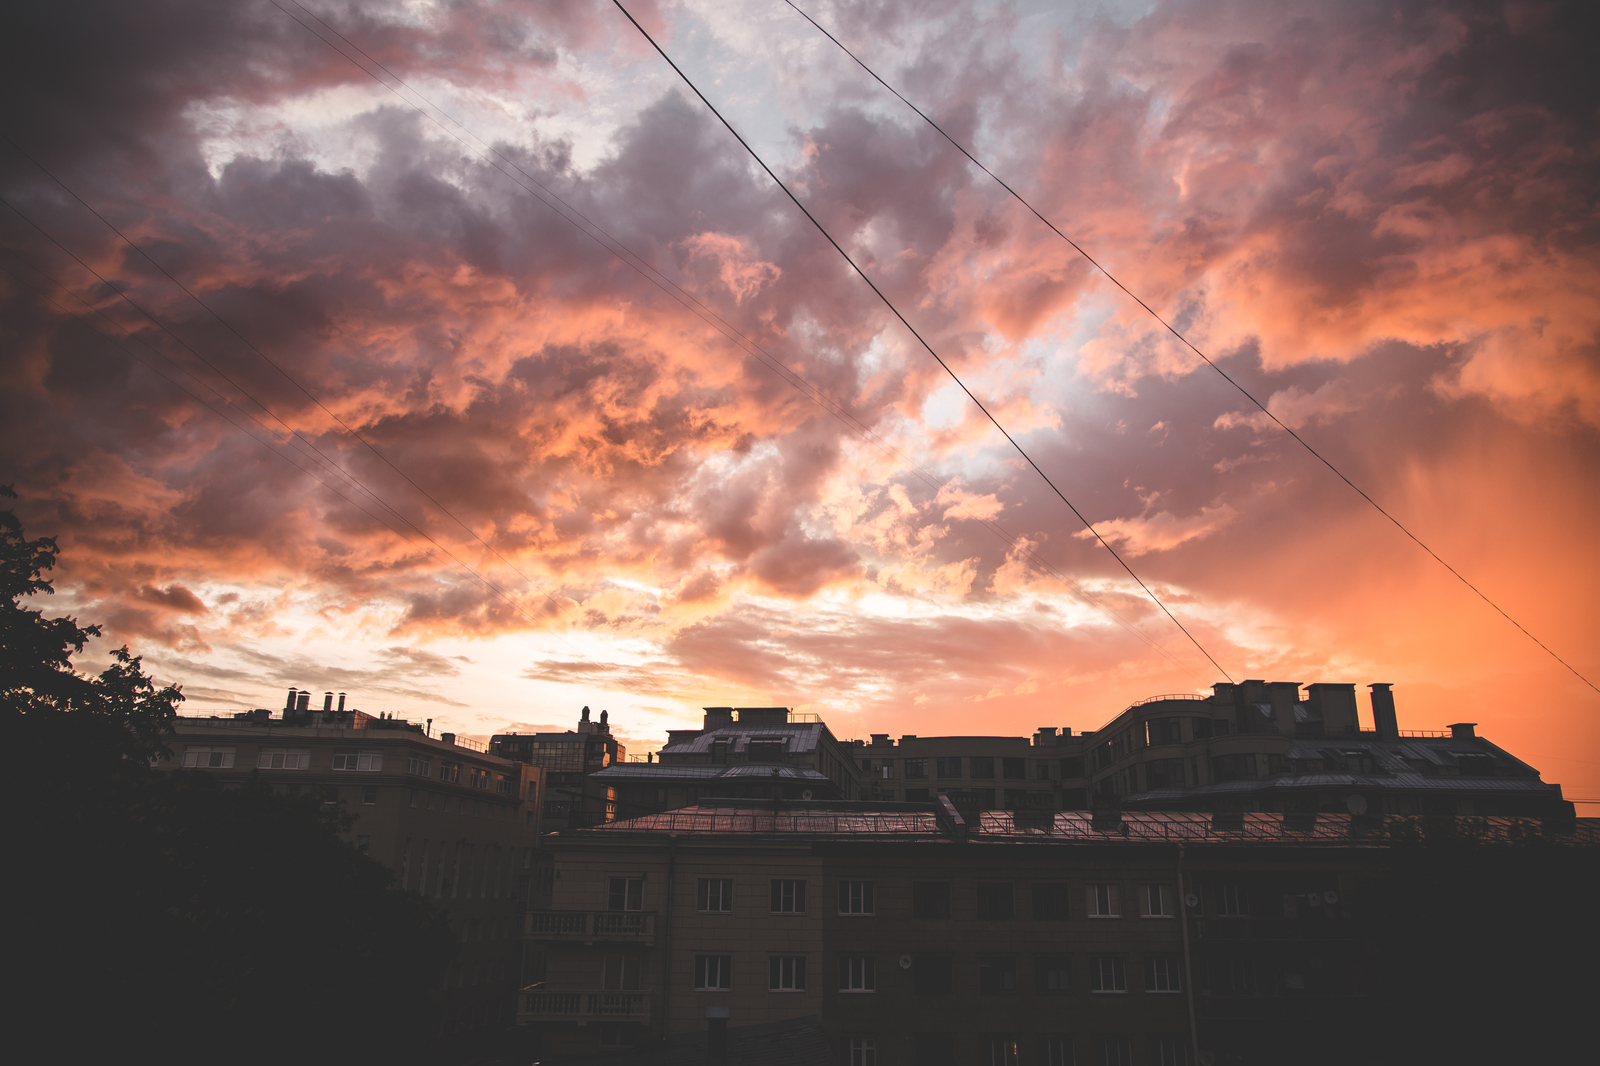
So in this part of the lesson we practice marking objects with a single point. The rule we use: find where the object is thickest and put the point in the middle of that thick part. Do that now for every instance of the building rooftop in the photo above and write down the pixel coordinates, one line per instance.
(748, 772)
(798, 737)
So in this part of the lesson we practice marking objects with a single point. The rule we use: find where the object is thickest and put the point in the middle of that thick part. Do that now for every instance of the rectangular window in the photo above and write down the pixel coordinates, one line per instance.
(1014, 769)
(451, 772)
(1052, 975)
(997, 975)
(1105, 901)
(788, 896)
(1162, 973)
(858, 973)
(1041, 770)
(1050, 901)
(620, 973)
(1232, 977)
(1233, 900)
(981, 766)
(369, 794)
(713, 973)
(1057, 1051)
(948, 767)
(1114, 1051)
(1158, 901)
(477, 777)
(625, 894)
(283, 759)
(1169, 1051)
(502, 784)
(786, 973)
(716, 895)
(995, 900)
(1108, 973)
(917, 768)
(363, 844)
(930, 899)
(208, 758)
(886, 771)
(1164, 731)
(719, 751)
(1072, 768)
(863, 1051)
(999, 1050)
(855, 897)
(350, 759)
(421, 765)
(931, 975)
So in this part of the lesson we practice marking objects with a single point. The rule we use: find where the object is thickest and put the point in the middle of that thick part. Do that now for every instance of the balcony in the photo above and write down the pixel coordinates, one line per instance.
(591, 927)
(544, 1005)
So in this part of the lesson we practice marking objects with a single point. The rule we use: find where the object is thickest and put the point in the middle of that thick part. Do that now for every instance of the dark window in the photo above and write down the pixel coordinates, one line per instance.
(716, 894)
(916, 767)
(1201, 727)
(999, 1050)
(1057, 1051)
(855, 897)
(997, 975)
(1041, 770)
(1050, 901)
(948, 767)
(786, 973)
(1114, 1051)
(719, 751)
(1164, 773)
(1233, 900)
(982, 766)
(930, 899)
(1108, 973)
(1162, 973)
(1052, 975)
(995, 900)
(934, 1049)
(713, 972)
(626, 894)
(1169, 1051)
(1232, 977)
(858, 973)
(863, 1051)
(1233, 768)
(1164, 731)
(931, 975)
(369, 794)
(788, 896)
(1072, 768)
(1014, 769)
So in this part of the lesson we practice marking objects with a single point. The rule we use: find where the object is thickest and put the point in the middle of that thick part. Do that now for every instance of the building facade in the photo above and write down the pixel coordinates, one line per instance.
(454, 823)
(571, 761)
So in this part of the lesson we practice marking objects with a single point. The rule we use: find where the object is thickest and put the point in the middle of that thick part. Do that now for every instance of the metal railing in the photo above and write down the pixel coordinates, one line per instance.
(590, 925)
(548, 1005)
(1168, 696)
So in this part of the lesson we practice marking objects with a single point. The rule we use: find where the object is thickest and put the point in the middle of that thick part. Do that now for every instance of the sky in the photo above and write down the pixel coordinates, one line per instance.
(455, 357)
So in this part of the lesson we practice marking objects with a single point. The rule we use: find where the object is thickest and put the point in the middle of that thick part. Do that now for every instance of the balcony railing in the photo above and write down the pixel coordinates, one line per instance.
(588, 926)
(545, 1005)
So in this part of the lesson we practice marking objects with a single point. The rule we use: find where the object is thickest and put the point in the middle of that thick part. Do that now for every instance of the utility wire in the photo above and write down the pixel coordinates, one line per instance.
(1188, 344)
(896, 311)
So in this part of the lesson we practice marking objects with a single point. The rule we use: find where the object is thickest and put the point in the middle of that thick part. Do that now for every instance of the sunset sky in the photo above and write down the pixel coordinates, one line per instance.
(510, 384)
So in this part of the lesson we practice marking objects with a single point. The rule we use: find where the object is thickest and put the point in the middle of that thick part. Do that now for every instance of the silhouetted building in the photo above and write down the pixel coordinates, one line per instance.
(576, 795)
(454, 823)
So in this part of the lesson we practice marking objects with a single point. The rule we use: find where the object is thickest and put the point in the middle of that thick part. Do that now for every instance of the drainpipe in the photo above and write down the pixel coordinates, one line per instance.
(666, 930)
(1188, 970)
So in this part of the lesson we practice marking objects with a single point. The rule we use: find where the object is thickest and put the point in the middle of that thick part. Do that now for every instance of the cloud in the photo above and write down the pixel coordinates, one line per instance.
(1161, 531)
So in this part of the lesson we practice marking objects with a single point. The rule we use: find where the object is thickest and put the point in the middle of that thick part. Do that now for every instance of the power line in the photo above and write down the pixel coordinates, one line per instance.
(1186, 342)
(896, 311)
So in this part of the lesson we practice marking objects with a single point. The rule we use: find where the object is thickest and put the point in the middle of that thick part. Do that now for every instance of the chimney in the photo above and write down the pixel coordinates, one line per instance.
(341, 701)
(1384, 719)
(716, 1036)
(1043, 734)
(584, 725)
(288, 708)
(881, 740)
(718, 718)
(327, 702)
(303, 702)
(448, 738)
(1463, 730)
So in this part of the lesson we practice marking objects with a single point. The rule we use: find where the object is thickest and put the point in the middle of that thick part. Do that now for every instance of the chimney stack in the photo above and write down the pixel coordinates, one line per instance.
(341, 701)
(1463, 730)
(288, 708)
(1384, 719)
(327, 702)
(303, 702)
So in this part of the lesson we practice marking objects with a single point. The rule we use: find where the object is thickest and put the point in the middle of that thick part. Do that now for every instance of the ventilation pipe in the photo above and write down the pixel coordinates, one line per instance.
(303, 702)
(289, 706)
(327, 702)
(341, 701)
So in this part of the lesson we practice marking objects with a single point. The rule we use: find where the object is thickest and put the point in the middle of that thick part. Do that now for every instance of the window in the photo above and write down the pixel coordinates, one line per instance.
(858, 973)
(1114, 1051)
(1162, 973)
(350, 759)
(1105, 901)
(930, 899)
(713, 973)
(282, 759)
(1158, 901)
(421, 765)
(999, 1050)
(1233, 900)
(863, 1051)
(1072, 768)
(1050, 900)
(1057, 1051)
(719, 751)
(947, 767)
(1164, 773)
(931, 975)
(615, 1036)
(1164, 731)
(995, 900)
(1232, 977)
(625, 894)
(1041, 770)
(620, 973)
(208, 758)
(716, 895)
(786, 973)
(788, 896)
(450, 771)
(1108, 973)
(1014, 769)
(363, 843)
(369, 794)
(477, 777)
(1052, 975)
(1169, 1051)
(997, 975)
(855, 897)
(916, 767)
(981, 767)
(1233, 768)
(886, 771)
(502, 784)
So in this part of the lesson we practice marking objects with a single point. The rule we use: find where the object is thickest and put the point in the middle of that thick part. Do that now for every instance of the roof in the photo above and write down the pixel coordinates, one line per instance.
(791, 1042)
(1393, 782)
(837, 822)
(648, 771)
(799, 737)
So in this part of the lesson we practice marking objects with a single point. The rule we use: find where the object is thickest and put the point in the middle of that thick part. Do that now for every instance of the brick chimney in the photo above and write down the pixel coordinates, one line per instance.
(1384, 719)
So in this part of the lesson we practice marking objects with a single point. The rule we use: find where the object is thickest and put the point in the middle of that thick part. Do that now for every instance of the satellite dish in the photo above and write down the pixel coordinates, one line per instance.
(1192, 900)
(806, 794)
(905, 962)
(1357, 804)
(1331, 896)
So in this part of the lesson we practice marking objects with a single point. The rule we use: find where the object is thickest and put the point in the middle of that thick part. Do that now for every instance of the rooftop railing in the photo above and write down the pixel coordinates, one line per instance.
(629, 926)
(543, 1004)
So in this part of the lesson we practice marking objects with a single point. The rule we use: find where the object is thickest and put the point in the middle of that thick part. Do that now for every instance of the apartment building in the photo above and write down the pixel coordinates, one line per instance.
(454, 823)
(920, 937)
(572, 761)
